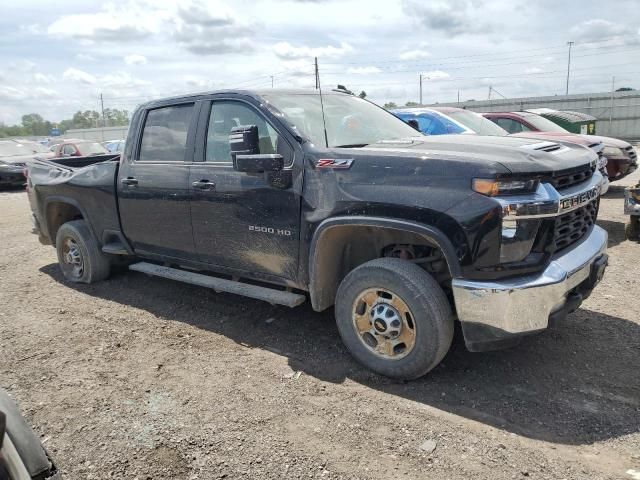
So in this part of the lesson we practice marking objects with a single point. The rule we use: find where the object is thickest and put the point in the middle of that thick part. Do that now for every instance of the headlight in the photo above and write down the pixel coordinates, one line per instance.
(612, 152)
(517, 239)
(494, 188)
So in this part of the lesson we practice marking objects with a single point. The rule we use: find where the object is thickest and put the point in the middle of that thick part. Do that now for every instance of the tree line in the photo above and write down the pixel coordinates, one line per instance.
(33, 124)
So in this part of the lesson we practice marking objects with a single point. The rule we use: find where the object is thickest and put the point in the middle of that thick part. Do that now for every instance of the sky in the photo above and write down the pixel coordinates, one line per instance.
(59, 57)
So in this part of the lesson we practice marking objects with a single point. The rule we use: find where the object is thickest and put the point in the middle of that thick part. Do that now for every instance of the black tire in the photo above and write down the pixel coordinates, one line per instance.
(429, 309)
(95, 265)
(632, 229)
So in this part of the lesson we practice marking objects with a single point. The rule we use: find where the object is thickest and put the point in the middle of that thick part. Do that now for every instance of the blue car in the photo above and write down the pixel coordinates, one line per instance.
(431, 122)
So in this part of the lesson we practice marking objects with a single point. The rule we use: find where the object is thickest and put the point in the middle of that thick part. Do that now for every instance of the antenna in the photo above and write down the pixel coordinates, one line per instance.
(324, 122)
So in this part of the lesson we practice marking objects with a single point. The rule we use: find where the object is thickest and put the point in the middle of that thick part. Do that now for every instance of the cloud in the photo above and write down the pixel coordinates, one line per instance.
(41, 92)
(135, 59)
(121, 80)
(80, 76)
(132, 21)
(11, 93)
(85, 57)
(19, 94)
(211, 28)
(414, 55)
(363, 70)
(43, 78)
(451, 16)
(533, 70)
(287, 51)
(599, 30)
(435, 75)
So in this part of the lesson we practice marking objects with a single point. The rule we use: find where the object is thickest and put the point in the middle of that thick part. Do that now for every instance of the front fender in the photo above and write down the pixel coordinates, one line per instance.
(324, 275)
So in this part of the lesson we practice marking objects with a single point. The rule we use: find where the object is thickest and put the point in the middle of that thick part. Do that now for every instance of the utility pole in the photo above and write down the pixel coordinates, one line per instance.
(489, 97)
(104, 124)
(613, 88)
(271, 80)
(317, 74)
(458, 97)
(420, 89)
(568, 67)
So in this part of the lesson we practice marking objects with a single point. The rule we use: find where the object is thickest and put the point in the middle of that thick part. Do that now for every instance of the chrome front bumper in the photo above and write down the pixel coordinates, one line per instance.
(514, 307)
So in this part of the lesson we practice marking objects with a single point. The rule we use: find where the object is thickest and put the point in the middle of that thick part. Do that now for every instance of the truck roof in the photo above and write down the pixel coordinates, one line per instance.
(251, 93)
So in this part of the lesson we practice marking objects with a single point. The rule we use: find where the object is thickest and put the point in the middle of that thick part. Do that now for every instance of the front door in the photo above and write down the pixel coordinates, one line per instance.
(153, 188)
(242, 221)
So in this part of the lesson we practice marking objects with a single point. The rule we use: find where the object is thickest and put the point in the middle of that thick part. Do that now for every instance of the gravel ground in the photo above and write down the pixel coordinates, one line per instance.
(145, 378)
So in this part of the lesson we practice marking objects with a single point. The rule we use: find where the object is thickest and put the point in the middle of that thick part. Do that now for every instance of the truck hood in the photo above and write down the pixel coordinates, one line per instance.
(608, 141)
(504, 154)
(558, 137)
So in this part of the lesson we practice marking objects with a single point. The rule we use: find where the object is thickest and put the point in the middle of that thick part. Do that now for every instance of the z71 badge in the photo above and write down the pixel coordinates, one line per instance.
(334, 163)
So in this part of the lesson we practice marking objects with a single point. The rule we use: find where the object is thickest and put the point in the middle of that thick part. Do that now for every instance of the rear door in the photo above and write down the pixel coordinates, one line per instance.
(153, 186)
(242, 221)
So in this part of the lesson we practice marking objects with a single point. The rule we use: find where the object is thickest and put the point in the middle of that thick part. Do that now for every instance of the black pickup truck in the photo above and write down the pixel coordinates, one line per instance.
(282, 195)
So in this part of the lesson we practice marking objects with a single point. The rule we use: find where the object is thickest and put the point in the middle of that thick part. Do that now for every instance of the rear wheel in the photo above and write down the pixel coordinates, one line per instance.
(394, 318)
(79, 255)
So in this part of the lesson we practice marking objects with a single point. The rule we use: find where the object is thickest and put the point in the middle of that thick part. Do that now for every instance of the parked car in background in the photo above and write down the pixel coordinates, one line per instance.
(621, 156)
(452, 120)
(114, 146)
(14, 155)
(79, 148)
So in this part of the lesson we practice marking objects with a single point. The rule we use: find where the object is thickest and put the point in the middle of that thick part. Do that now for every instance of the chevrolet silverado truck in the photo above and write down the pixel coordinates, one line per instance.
(284, 195)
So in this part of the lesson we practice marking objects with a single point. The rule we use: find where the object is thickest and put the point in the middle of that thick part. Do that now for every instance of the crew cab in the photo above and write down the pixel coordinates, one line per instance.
(284, 195)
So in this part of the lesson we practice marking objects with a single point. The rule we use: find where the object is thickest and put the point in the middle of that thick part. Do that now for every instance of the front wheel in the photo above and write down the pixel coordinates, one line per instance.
(632, 229)
(394, 318)
(79, 255)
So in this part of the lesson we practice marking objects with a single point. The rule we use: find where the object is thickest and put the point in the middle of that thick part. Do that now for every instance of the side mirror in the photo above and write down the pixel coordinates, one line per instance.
(245, 152)
(244, 140)
(413, 124)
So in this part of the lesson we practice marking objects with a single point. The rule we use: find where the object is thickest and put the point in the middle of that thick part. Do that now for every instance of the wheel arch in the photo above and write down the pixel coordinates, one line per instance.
(331, 254)
(59, 210)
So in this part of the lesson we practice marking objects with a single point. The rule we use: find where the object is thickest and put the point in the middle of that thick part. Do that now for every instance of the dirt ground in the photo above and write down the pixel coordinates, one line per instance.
(145, 378)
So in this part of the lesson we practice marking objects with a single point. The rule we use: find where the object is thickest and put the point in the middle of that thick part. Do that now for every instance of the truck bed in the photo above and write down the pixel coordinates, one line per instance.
(88, 183)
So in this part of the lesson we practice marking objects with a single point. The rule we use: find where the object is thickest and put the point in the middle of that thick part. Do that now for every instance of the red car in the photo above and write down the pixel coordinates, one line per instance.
(79, 148)
(621, 156)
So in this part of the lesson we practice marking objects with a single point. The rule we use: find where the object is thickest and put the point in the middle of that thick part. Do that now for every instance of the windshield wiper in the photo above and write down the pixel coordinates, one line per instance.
(352, 145)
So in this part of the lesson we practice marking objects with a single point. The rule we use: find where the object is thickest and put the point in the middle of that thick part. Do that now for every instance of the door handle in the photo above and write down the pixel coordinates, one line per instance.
(204, 185)
(129, 181)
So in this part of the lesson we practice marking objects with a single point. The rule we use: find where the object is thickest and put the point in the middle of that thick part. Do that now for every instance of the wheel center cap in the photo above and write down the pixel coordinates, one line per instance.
(385, 320)
(380, 325)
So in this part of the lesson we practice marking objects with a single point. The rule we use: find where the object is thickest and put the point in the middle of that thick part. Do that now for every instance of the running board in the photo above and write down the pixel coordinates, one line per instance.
(270, 295)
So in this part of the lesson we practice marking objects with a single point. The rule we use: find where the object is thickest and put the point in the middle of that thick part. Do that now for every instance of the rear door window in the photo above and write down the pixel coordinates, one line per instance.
(164, 137)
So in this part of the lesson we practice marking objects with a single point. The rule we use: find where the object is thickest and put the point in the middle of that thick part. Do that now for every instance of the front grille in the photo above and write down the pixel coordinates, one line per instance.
(19, 164)
(567, 178)
(572, 226)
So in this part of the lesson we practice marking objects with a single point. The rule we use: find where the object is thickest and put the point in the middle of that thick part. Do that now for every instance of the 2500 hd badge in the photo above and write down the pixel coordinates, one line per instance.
(274, 231)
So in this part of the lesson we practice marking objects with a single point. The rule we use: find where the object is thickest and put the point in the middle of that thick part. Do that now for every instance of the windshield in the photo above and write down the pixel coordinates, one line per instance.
(543, 124)
(351, 121)
(477, 123)
(91, 148)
